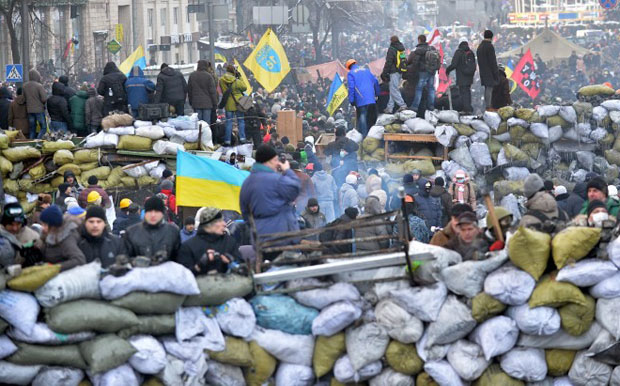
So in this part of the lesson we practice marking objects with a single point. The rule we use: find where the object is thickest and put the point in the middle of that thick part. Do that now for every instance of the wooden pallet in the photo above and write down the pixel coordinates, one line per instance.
(415, 138)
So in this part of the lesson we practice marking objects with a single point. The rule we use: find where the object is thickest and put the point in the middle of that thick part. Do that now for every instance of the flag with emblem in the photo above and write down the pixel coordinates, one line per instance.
(337, 94)
(525, 75)
(244, 78)
(268, 61)
(509, 69)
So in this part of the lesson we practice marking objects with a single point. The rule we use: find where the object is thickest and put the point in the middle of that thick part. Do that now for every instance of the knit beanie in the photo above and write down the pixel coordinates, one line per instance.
(92, 180)
(52, 216)
(154, 203)
(439, 181)
(166, 185)
(351, 179)
(598, 183)
(533, 184)
(407, 179)
(340, 132)
(265, 153)
(166, 173)
(96, 212)
(595, 205)
(312, 202)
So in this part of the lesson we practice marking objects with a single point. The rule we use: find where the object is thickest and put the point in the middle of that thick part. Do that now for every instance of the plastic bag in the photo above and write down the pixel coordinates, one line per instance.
(448, 116)
(355, 136)
(89, 315)
(151, 356)
(167, 147)
(345, 373)
(366, 344)
(445, 135)
(102, 139)
(431, 353)
(19, 309)
(376, 132)
(400, 325)
(422, 302)
(236, 318)
(288, 348)
(121, 375)
(77, 283)
(496, 336)
(326, 351)
(16, 374)
(442, 373)
(587, 371)
(467, 359)
(406, 114)
(420, 126)
(510, 285)
(492, 119)
(608, 288)
(123, 130)
(42, 334)
(7, 347)
(467, 278)
(152, 132)
(586, 273)
(453, 323)
(389, 377)
(561, 339)
(535, 321)
(335, 318)
(481, 155)
(281, 312)
(527, 364)
(294, 375)
(58, 376)
(218, 289)
(106, 352)
(608, 315)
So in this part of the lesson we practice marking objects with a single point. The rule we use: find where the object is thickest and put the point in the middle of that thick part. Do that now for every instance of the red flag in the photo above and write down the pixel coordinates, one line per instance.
(444, 81)
(67, 49)
(526, 77)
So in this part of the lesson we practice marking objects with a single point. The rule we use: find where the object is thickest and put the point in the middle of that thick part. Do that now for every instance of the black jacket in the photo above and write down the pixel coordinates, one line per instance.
(390, 59)
(501, 92)
(113, 79)
(147, 240)
(171, 86)
(193, 249)
(487, 64)
(575, 200)
(5, 104)
(342, 234)
(458, 64)
(69, 91)
(446, 202)
(124, 221)
(57, 105)
(105, 248)
(418, 61)
(254, 119)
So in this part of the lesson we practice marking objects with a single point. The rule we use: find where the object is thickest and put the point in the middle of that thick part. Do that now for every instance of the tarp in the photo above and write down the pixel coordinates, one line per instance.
(549, 45)
(376, 66)
(327, 70)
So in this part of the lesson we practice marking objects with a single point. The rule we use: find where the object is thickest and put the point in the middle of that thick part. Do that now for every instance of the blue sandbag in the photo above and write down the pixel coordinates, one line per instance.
(281, 312)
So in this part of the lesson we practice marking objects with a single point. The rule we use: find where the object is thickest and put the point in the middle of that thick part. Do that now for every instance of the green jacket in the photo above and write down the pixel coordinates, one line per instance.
(613, 206)
(238, 87)
(78, 104)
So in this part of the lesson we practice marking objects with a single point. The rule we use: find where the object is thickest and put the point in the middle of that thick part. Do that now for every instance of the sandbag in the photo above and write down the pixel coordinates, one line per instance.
(529, 250)
(294, 375)
(101, 173)
(510, 285)
(596, 89)
(89, 315)
(403, 358)
(586, 273)
(573, 244)
(335, 318)
(150, 303)
(608, 315)
(58, 376)
(376, 132)
(151, 325)
(7, 347)
(467, 278)
(561, 339)
(463, 157)
(464, 130)
(366, 344)
(467, 359)
(264, 365)
(218, 289)
(420, 126)
(289, 348)
(150, 357)
(133, 142)
(445, 135)
(442, 373)
(559, 362)
(432, 353)
(326, 351)
(123, 130)
(400, 325)
(535, 321)
(236, 353)
(121, 375)
(605, 349)
(281, 312)
(481, 155)
(19, 309)
(31, 278)
(514, 154)
(166, 147)
(42, 334)
(577, 319)
(50, 147)
(568, 114)
(76, 283)
(354, 136)
(86, 156)
(484, 306)
(389, 377)
(66, 355)
(448, 116)
(516, 173)
(16, 374)
(106, 352)
(430, 271)
(453, 323)
(323, 297)
(21, 153)
(385, 119)
(496, 336)
(152, 132)
(370, 144)
(587, 371)
(116, 120)
(62, 157)
(345, 373)
(236, 318)
(527, 364)
(552, 293)
(611, 104)
(608, 288)
(422, 302)
(192, 321)
(101, 139)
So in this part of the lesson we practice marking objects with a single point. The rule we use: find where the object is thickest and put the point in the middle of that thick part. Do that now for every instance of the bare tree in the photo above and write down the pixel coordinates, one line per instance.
(12, 18)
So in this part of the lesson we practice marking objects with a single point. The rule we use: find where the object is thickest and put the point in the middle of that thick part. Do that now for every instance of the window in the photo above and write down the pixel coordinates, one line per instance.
(149, 17)
(163, 13)
(175, 15)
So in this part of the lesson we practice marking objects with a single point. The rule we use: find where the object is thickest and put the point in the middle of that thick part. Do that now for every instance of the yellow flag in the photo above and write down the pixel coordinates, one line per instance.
(268, 61)
(337, 94)
(135, 59)
(244, 78)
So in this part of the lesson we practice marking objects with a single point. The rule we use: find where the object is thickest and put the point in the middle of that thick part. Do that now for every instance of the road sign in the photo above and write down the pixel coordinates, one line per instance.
(608, 4)
(114, 46)
(14, 73)
(120, 35)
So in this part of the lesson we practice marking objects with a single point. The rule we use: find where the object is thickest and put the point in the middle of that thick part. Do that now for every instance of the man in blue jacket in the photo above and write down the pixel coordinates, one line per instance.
(138, 89)
(363, 91)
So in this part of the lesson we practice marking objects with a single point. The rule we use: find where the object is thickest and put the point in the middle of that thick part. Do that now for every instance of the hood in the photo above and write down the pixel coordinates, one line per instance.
(82, 94)
(20, 100)
(464, 46)
(169, 71)
(203, 65)
(561, 197)
(5, 93)
(422, 188)
(321, 175)
(136, 72)
(544, 202)
(228, 78)
(34, 76)
(109, 68)
(92, 92)
(64, 79)
(421, 45)
(346, 187)
(372, 206)
(398, 46)
(502, 73)
(58, 89)
(437, 191)
(581, 189)
(68, 174)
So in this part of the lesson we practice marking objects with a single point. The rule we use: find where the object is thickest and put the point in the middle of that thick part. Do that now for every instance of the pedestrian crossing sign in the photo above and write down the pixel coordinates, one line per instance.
(14, 73)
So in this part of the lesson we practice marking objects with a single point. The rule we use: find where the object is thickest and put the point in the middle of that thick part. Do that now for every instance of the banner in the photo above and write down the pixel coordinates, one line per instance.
(338, 93)
(526, 77)
(510, 69)
(268, 61)
(244, 78)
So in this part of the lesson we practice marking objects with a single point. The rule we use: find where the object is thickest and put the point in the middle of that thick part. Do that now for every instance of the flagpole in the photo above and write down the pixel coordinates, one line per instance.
(211, 37)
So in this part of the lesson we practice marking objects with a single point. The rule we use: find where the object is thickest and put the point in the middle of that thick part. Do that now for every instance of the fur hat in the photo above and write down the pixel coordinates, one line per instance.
(598, 183)
(154, 203)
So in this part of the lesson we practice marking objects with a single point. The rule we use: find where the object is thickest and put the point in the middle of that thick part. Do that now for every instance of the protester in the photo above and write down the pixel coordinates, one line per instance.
(307, 187)
(348, 193)
(189, 229)
(232, 90)
(312, 215)
(202, 92)
(464, 62)
(417, 227)
(5, 106)
(462, 190)
(561, 197)
(344, 233)
(428, 207)
(542, 208)
(167, 187)
(171, 88)
(395, 64)
(96, 242)
(93, 111)
(112, 88)
(138, 89)
(27, 243)
(501, 91)
(597, 190)
(487, 64)
(58, 109)
(426, 62)
(372, 207)
(36, 97)
(255, 119)
(505, 220)
(94, 187)
(326, 192)
(69, 92)
(77, 106)
(343, 152)
(128, 216)
(449, 232)
(64, 191)
(44, 201)
(439, 191)
(468, 243)
(69, 178)
(18, 114)
(61, 237)
(363, 91)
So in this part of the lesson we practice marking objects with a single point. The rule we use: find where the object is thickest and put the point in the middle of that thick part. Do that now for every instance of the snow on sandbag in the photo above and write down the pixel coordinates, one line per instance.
(366, 344)
(422, 302)
(236, 318)
(479, 125)
(608, 315)
(101, 139)
(467, 278)
(376, 132)
(58, 376)
(123, 130)
(587, 371)
(568, 113)
(166, 277)
(599, 113)
(535, 321)
(400, 325)
(151, 356)
(294, 375)
(335, 318)
(288, 348)
(420, 126)
(42, 334)
(19, 309)
(541, 130)
(453, 323)
(385, 119)
(467, 359)
(406, 114)
(510, 285)
(442, 373)
(481, 155)
(445, 135)
(282, 312)
(547, 111)
(389, 377)
(355, 136)
(527, 364)
(448, 116)
(492, 119)
(496, 336)
(322, 297)
(463, 157)
(345, 373)
(517, 122)
(432, 353)
(17, 374)
(611, 105)
(166, 147)
(80, 282)
(515, 173)
(561, 340)
(121, 375)
(588, 272)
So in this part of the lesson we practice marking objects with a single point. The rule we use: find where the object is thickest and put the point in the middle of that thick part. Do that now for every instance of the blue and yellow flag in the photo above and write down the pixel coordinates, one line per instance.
(135, 59)
(206, 182)
(509, 69)
(337, 94)
(219, 57)
(244, 78)
(268, 61)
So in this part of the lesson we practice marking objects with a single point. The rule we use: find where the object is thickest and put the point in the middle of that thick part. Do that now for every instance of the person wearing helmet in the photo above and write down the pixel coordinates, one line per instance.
(24, 240)
(93, 199)
(127, 216)
(93, 186)
(363, 92)
(505, 219)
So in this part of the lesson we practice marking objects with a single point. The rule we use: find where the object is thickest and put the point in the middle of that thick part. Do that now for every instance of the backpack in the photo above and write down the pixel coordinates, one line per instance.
(432, 60)
(117, 94)
(469, 65)
(401, 61)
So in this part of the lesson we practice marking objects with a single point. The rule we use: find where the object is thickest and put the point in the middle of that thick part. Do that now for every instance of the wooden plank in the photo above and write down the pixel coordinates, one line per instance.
(416, 157)
(409, 137)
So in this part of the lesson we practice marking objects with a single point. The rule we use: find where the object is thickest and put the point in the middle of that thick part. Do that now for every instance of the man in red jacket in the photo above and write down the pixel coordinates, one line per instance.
(167, 188)
(92, 186)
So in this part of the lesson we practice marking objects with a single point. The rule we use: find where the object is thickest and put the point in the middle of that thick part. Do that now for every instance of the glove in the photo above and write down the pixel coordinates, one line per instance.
(496, 246)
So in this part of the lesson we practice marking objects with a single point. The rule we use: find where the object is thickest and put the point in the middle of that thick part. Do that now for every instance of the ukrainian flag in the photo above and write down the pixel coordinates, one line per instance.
(268, 61)
(244, 78)
(337, 94)
(510, 68)
(135, 59)
(219, 57)
(206, 182)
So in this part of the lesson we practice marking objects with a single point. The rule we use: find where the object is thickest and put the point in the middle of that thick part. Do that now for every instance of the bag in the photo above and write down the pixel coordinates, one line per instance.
(244, 103)
(117, 93)
(469, 63)
(153, 112)
(225, 97)
(403, 358)
(89, 315)
(66, 355)
(237, 353)
(401, 61)
(264, 365)
(366, 344)
(327, 350)
(151, 325)
(281, 312)
(432, 60)
(106, 352)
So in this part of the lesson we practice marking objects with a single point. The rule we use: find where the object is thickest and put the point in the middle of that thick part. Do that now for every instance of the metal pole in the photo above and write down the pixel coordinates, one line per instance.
(134, 24)
(211, 33)
(25, 40)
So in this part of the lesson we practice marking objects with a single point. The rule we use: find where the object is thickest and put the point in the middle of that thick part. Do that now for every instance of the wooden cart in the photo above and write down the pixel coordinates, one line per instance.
(416, 138)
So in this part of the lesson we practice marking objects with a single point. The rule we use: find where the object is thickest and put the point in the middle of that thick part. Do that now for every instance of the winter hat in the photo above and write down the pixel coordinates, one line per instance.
(93, 196)
(595, 205)
(351, 179)
(351, 212)
(318, 167)
(467, 218)
(70, 200)
(372, 171)
(590, 175)
(52, 216)
(560, 190)
(208, 215)
(548, 185)
(407, 178)
(598, 183)
(533, 184)
(92, 180)
(96, 212)
(313, 202)
(166, 185)
(13, 212)
(166, 173)
(154, 203)
(189, 221)
(294, 165)
(340, 132)
(381, 195)
(285, 140)
(63, 187)
(416, 171)
(265, 153)
(440, 182)
(76, 211)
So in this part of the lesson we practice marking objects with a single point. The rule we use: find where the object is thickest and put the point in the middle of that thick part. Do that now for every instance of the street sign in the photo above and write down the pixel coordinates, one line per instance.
(120, 33)
(114, 46)
(608, 4)
(14, 73)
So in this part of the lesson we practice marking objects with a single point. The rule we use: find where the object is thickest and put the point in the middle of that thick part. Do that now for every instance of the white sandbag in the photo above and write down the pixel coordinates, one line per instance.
(188, 351)
(101, 139)
(453, 323)
(184, 122)
(58, 376)
(502, 137)
(541, 130)
(479, 125)
(345, 373)
(7, 347)
(598, 134)
(572, 135)
(174, 372)
(151, 356)
(481, 155)
(511, 203)
(294, 375)
(288, 348)
(322, 297)
(16, 374)
(588, 272)
(535, 321)
(236, 318)
(445, 135)
(400, 325)
(611, 104)
(462, 141)
(420, 126)
(123, 130)
(517, 122)
(431, 117)
(385, 119)
(604, 348)
(448, 116)
(555, 133)
(158, 171)
(389, 377)
(614, 116)
(607, 288)
(42, 334)
(335, 318)
(431, 353)
(422, 302)
(615, 376)
(81, 282)
(467, 278)
(136, 171)
(122, 375)
(442, 373)
(463, 157)
(568, 113)
(467, 119)
(479, 136)
(376, 132)
(382, 289)
(139, 123)
(166, 147)
(583, 129)
(586, 371)
(515, 173)
(189, 321)
(355, 136)
(221, 374)
(496, 336)
(166, 277)
(526, 364)
(613, 251)
(206, 138)
(510, 285)
(547, 111)
(406, 114)
(451, 168)
(561, 339)
(492, 119)
(586, 159)
(608, 315)
(467, 359)
(366, 344)
(430, 271)
(599, 113)
(562, 381)
(19, 309)
(185, 135)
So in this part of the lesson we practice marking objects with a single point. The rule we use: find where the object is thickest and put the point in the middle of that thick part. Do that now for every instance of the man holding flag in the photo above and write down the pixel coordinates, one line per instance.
(363, 91)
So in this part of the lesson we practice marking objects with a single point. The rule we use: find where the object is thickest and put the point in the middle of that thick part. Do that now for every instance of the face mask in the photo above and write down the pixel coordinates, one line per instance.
(598, 219)
(460, 180)
(343, 153)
